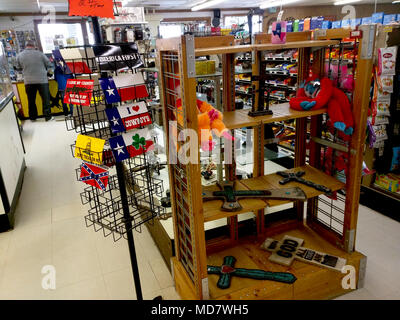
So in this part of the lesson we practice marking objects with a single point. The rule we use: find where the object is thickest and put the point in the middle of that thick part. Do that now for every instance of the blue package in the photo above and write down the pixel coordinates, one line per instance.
(320, 22)
(314, 23)
(336, 24)
(289, 26)
(301, 25)
(366, 20)
(326, 24)
(355, 22)
(398, 17)
(378, 17)
(346, 23)
(395, 165)
(388, 18)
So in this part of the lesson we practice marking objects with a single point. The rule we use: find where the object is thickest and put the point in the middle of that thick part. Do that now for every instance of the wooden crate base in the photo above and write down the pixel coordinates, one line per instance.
(313, 282)
(164, 242)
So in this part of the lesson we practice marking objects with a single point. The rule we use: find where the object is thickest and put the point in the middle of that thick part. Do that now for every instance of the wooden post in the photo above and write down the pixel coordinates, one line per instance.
(357, 143)
(188, 87)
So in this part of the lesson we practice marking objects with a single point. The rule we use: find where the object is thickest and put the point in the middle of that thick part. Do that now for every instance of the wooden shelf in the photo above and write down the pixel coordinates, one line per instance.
(295, 45)
(271, 181)
(312, 282)
(281, 112)
(264, 47)
(212, 209)
(223, 50)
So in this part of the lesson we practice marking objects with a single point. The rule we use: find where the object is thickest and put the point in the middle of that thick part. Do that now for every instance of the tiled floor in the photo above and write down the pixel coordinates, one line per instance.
(50, 230)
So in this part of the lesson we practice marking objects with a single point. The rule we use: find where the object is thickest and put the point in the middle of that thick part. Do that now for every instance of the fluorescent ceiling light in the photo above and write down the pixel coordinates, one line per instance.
(397, 1)
(207, 4)
(276, 3)
(339, 3)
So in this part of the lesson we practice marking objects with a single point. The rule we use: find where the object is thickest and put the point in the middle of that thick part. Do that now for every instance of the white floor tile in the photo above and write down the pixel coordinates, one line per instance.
(91, 289)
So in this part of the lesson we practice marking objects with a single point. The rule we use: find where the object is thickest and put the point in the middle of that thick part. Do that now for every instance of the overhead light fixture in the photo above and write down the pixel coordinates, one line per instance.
(276, 3)
(207, 4)
(397, 1)
(38, 3)
(342, 2)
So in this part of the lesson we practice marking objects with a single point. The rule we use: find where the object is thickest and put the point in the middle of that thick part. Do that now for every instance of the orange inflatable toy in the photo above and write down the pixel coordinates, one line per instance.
(209, 120)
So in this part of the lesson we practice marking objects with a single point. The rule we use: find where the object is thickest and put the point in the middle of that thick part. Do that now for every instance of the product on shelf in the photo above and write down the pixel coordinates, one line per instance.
(227, 271)
(317, 94)
(285, 251)
(230, 196)
(387, 61)
(389, 182)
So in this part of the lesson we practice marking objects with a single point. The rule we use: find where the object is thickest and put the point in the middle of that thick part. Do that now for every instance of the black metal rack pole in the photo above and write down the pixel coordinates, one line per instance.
(124, 197)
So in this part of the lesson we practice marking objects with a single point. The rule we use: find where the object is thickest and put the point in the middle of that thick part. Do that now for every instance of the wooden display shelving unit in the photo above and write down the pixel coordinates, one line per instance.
(192, 251)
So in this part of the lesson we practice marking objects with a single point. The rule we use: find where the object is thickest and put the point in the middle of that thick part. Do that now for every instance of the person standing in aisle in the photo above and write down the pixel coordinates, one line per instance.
(34, 65)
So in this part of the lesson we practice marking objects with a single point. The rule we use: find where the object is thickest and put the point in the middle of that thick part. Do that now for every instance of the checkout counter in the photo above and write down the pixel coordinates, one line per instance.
(22, 100)
(12, 161)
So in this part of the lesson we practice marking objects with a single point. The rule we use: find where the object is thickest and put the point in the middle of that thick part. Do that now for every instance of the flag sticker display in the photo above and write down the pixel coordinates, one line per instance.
(124, 87)
(75, 60)
(117, 56)
(128, 117)
(131, 144)
(94, 176)
(78, 92)
(110, 90)
(89, 149)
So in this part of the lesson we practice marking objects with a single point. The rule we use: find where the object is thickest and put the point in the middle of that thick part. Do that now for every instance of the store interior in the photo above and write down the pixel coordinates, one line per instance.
(264, 89)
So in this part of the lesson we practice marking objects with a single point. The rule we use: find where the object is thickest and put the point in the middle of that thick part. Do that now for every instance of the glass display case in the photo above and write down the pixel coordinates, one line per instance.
(5, 82)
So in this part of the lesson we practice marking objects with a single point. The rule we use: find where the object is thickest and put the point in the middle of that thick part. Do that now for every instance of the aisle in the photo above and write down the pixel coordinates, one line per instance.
(50, 230)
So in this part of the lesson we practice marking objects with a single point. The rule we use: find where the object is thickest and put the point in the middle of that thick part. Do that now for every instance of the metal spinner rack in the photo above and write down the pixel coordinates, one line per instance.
(129, 200)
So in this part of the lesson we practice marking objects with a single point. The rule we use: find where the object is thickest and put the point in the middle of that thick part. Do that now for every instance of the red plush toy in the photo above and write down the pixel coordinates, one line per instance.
(316, 94)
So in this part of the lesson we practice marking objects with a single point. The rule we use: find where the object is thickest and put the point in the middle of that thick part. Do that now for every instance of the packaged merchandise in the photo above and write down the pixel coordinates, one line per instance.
(382, 108)
(380, 133)
(366, 20)
(378, 17)
(387, 61)
(389, 18)
(389, 182)
(326, 24)
(395, 166)
(336, 24)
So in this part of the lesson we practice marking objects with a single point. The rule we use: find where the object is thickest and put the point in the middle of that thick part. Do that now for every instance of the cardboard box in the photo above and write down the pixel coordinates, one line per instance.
(301, 25)
(389, 182)
(201, 67)
(320, 21)
(307, 24)
(289, 26)
(378, 17)
(296, 25)
(326, 24)
(314, 23)
(346, 23)
(388, 18)
(366, 20)
(336, 24)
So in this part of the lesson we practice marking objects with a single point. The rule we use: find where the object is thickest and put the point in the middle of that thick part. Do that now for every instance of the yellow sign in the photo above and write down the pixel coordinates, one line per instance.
(89, 149)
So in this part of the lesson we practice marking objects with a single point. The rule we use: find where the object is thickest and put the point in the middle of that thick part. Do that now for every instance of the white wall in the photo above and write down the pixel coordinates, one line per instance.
(25, 22)
(154, 18)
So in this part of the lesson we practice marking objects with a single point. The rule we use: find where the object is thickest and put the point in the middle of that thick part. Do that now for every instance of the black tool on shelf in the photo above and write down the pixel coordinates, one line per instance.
(262, 108)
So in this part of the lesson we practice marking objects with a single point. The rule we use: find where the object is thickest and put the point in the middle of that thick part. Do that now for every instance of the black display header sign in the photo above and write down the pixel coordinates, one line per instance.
(114, 57)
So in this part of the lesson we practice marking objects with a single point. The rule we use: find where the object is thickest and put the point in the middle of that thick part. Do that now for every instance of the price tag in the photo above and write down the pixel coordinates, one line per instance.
(92, 8)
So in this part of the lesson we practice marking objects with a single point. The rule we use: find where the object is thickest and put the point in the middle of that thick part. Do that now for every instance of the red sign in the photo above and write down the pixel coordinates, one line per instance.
(92, 8)
(78, 92)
